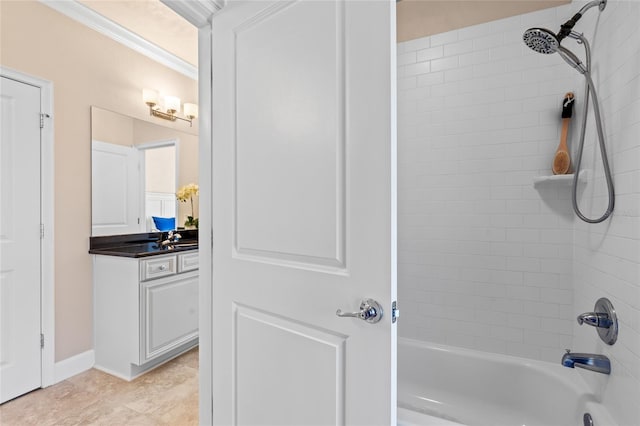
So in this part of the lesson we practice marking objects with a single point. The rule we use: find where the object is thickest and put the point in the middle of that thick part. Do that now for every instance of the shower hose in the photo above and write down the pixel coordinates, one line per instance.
(590, 89)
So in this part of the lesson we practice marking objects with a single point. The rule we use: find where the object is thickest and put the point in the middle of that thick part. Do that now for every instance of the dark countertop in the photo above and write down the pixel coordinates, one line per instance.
(141, 245)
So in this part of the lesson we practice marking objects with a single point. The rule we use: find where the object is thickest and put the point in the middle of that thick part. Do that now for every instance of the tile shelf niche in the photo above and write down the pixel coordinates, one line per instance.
(558, 180)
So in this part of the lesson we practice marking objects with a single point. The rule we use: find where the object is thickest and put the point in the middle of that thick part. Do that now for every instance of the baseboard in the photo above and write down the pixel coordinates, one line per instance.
(75, 365)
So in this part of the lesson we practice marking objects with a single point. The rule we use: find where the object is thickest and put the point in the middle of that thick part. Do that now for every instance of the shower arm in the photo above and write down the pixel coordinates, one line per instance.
(565, 29)
(600, 3)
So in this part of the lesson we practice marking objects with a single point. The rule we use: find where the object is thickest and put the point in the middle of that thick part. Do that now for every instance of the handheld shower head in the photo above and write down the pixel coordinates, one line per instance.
(545, 41)
(541, 40)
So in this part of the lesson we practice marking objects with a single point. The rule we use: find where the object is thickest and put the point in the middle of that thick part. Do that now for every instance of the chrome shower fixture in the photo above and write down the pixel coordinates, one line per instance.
(545, 41)
(565, 29)
(541, 40)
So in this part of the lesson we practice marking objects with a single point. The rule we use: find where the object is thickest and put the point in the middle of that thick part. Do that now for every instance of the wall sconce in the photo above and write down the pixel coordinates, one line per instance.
(172, 105)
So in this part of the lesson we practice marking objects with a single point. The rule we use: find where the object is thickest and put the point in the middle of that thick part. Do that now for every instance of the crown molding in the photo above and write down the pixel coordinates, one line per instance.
(197, 12)
(107, 27)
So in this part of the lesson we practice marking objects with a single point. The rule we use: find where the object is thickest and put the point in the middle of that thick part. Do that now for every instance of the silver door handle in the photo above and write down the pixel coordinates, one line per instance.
(370, 311)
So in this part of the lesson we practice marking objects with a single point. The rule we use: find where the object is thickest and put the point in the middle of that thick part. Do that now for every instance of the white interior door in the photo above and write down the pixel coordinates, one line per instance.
(20, 264)
(303, 212)
(115, 175)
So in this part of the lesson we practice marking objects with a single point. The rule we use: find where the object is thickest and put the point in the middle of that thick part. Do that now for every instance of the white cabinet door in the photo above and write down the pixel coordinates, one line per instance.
(168, 314)
(115, 176)
(20, 354)
(303, 212)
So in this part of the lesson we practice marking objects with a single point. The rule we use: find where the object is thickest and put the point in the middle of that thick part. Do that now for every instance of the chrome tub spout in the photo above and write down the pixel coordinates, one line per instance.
(592, 362)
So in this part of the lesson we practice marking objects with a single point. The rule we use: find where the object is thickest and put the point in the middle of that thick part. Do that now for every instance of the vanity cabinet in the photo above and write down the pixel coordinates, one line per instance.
(145, 309)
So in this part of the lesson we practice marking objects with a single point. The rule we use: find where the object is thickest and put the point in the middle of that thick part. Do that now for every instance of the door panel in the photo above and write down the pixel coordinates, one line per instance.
(296, 356)
(289, 163)
(20, 354)
(303, 212)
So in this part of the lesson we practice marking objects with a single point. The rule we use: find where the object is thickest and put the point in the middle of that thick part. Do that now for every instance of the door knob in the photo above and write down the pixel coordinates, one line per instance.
(370, 311)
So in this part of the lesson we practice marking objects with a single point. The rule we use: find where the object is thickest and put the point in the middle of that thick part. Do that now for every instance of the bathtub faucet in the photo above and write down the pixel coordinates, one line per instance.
(593, 362)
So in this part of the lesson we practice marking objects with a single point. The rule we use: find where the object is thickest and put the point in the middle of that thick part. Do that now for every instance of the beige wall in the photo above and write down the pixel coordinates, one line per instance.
(111, 127)
(421, 18)
(160, 169)
(86, 69)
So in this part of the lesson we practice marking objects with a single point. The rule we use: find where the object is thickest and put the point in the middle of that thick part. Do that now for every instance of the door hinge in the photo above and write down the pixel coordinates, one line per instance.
(42, 231)
(395, 312)
(43, 115)
(41, 340)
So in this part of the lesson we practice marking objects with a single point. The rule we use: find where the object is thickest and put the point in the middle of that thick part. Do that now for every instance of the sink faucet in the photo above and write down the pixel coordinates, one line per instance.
(593, 362)
(172, 238)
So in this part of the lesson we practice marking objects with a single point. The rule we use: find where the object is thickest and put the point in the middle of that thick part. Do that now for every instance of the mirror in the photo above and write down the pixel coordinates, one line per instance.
(137, 167)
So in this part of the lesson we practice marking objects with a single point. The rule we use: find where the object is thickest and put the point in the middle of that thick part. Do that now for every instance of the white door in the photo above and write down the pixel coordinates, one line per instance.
(303, 216)
(20, 352)
(115, 176)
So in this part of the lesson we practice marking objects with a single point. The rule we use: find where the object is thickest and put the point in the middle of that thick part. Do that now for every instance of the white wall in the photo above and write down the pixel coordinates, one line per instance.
(607, 256)
(487, 261)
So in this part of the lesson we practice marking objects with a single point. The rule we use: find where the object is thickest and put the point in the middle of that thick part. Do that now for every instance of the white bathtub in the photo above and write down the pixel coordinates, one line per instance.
(443, 385)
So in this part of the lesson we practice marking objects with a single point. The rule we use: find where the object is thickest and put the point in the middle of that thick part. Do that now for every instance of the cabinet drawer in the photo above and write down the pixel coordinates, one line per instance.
(188, 262)
(157, 267)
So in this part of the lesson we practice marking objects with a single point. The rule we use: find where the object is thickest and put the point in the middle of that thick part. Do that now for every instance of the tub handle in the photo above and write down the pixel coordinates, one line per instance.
(370, 311)
(604, 319)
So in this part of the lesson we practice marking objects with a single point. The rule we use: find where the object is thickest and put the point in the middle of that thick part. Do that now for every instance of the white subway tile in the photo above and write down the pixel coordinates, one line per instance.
(406, 58)
(496, 261)
(552, 295)
(414, 69)
(431, 79)
(413, 45)
(444, 38)
(458, 48)
(488, 41)
(473, 58)
(508, 334)
(430, 53)
(523, 293)
(444, 63)
(458, 74)
(406, 84)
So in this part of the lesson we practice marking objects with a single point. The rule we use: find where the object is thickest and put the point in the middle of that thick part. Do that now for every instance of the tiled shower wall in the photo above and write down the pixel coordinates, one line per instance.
(607, 256)
(487, 260)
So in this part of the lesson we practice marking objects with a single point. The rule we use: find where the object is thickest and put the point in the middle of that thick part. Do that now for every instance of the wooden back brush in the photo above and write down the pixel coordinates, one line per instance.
(562, 159)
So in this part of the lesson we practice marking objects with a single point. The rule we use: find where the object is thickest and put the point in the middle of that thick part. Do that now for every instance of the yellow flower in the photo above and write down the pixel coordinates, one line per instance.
(185, 193)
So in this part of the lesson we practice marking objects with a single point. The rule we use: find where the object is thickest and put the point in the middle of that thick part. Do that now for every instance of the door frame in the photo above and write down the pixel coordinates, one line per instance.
(200, 14)
(47, 308)
(161, 143)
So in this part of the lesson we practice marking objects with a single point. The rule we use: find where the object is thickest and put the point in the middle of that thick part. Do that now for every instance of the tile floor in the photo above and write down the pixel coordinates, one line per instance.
(167, 395)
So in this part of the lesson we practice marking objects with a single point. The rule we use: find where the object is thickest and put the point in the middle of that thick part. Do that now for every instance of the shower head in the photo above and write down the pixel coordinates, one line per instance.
(545, 41)
(541, 40)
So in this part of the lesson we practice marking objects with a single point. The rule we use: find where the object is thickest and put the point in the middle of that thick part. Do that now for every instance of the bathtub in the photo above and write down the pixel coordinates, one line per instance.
(443, 385)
